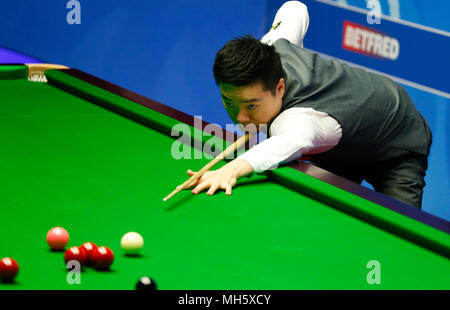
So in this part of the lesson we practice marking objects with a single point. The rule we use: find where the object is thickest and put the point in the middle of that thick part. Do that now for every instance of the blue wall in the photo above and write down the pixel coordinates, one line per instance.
(161, 49)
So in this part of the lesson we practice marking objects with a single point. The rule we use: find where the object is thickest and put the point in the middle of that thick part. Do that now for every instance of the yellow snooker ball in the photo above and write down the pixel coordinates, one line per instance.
(132, 243)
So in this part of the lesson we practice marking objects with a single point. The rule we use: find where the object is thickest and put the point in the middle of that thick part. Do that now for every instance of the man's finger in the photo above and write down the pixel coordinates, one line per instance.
(190, 172)
(212, 189)
(199, 188)
(228, 189)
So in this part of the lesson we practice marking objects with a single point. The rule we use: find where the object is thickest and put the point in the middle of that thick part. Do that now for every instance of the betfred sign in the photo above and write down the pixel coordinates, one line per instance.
(370, 42)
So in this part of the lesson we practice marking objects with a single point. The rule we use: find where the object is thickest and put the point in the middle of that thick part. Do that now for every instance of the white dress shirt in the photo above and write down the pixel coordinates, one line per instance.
(296, 131)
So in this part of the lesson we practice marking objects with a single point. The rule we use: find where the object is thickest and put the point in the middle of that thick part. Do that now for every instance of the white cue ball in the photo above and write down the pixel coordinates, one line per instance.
(132, 243)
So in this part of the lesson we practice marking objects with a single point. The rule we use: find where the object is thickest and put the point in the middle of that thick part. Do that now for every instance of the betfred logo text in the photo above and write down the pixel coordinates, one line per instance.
(367, 41)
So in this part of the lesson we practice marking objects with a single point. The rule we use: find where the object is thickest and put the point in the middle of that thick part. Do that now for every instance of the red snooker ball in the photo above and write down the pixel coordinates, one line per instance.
(8, 269)
(76, 253)
(102, 258)
(89, 247)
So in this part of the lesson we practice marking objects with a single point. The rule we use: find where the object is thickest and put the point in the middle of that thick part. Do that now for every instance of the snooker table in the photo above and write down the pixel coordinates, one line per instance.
(94, 158)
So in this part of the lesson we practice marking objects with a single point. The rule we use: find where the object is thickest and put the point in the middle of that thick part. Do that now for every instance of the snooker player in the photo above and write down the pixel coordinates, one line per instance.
(356, 124)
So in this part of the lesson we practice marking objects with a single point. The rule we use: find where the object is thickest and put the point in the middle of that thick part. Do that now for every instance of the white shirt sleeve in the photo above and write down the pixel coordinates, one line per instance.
(291, 23)
(294, 132)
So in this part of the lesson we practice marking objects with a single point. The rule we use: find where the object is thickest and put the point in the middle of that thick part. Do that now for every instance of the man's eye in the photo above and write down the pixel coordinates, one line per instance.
(228, 104)
(251, 107)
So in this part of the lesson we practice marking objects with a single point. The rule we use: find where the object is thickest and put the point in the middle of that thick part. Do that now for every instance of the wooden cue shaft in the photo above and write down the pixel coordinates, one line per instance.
(236, 144)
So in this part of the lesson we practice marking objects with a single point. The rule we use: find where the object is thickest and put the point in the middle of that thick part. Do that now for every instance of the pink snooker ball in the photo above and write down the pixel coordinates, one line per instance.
(57, 238)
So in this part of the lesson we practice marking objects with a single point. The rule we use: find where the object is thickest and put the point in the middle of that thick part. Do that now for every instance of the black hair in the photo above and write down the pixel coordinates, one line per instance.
(245, 60)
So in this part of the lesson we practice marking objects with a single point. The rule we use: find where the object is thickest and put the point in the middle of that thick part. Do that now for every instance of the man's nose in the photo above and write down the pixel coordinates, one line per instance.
(243, 117)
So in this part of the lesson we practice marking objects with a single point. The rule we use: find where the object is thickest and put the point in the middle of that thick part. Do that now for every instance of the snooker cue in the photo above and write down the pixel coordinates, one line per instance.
(237, 144)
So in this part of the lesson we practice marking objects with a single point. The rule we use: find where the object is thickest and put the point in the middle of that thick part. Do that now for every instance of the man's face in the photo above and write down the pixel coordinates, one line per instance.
(252, 104)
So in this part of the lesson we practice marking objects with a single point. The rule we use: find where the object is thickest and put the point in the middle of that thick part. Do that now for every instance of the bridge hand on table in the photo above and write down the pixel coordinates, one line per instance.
(224, 178)
(214, 180)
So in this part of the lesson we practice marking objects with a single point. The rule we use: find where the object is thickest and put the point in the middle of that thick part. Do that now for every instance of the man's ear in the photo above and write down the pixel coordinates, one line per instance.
(281, 87)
